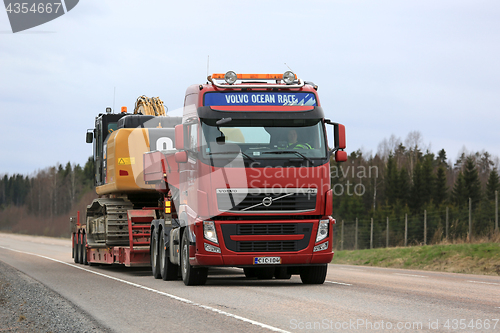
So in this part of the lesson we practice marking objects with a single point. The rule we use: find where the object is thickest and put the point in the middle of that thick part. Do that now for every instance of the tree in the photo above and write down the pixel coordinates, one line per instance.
(427, 178)
(416, 199)
(391, 181)
(440, 189)
(442, 157)
(403, 188)
(493, 184)
(471, 180)
(88, 172)
(459, 193)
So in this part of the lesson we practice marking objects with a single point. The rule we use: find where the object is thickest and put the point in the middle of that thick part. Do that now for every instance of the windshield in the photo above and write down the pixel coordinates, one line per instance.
(264, 139)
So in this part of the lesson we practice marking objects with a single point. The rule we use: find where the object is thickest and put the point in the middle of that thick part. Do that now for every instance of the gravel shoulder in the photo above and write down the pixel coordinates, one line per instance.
(26, 305)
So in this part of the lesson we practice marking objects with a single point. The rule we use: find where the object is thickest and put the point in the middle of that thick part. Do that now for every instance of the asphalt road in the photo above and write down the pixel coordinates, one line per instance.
(354, 299)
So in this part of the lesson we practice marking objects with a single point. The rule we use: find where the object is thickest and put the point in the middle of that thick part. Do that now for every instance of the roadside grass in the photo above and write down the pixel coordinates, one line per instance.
(482, 258)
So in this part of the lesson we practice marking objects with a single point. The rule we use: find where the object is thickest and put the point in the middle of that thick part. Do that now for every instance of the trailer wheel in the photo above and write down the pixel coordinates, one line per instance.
(84, 250)
(80, 248)
(313, 274)
(190, 275)
(168, 270)
(155, 259)
(76, 249)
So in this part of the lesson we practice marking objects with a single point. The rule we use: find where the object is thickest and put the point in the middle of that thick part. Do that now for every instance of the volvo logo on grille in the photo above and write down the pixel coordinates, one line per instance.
(267, 201)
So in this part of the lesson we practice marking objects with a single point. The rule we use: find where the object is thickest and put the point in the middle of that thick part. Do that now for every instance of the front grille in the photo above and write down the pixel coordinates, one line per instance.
(271, 246)
(266, 229)
(266, 202)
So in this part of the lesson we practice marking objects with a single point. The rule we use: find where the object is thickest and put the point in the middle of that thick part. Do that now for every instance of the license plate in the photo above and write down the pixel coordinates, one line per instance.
(267, 260)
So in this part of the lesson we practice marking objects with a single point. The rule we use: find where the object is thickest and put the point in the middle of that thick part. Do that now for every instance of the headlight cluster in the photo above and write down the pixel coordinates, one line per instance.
(211, 248)
(321, 247)
(322, 230)
(209, 231)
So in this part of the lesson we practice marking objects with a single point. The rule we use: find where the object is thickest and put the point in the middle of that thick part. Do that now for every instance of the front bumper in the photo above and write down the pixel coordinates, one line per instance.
(304, 256)
(248, 259)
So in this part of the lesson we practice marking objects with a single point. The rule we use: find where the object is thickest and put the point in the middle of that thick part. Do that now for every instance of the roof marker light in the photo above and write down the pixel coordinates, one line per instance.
(288, 77)
(230, 77)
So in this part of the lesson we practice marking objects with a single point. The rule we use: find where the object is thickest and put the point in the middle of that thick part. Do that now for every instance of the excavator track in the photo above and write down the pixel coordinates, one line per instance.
(107, 222)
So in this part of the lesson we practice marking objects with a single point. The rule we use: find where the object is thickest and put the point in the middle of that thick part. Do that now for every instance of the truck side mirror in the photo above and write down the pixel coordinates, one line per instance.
(339, 144)
(179, 137)
(90, 137)
(340, 156)
(339, 130)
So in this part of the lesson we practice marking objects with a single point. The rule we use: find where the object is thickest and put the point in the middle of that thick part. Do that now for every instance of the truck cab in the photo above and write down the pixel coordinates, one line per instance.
(254, 188)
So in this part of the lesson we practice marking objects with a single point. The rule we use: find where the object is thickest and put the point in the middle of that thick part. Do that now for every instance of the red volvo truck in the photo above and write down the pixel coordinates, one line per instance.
(241, 180)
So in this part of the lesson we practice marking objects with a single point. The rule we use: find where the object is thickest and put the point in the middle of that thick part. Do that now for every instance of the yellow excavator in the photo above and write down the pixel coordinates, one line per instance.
(119, 143)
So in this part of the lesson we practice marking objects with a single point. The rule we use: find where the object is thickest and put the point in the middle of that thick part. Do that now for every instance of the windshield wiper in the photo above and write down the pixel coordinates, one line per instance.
(233, 152)
(289, 152)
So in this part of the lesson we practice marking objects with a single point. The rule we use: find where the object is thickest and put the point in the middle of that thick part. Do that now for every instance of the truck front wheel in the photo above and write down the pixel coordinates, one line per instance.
(313, 274)
(168, 270)
(190, 275)
(155, 260)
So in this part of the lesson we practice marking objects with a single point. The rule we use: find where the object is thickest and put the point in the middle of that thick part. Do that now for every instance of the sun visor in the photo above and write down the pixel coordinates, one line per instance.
(218, 112)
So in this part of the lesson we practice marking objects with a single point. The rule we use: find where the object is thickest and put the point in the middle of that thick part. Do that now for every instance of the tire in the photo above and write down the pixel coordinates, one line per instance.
(281, 273)
(83, 250)
(155, 258)
(76, 249)
(80, 248)
(190, 275)
(168, 270)
(313, 274)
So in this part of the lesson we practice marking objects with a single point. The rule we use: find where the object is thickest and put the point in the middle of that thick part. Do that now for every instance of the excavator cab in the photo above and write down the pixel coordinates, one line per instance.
(105, 124)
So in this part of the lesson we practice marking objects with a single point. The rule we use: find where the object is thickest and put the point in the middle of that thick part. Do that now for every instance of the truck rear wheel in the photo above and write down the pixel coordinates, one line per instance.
(190, 275)
(83, 250)
(168, 270)
(313, 274)
(76, 249)
(155, 259)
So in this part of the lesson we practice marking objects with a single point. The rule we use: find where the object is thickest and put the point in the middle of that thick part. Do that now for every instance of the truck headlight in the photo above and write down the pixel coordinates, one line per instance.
(209, 231)
(322, 230)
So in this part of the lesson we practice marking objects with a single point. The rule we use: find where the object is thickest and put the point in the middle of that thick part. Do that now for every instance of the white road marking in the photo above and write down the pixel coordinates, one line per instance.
(177, 298)
(497, 284)
(344, 284)
(351, 269)
(413, 275)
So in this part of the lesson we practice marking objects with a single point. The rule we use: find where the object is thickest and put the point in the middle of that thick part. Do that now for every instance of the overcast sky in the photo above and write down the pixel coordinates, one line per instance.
(383, 67)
